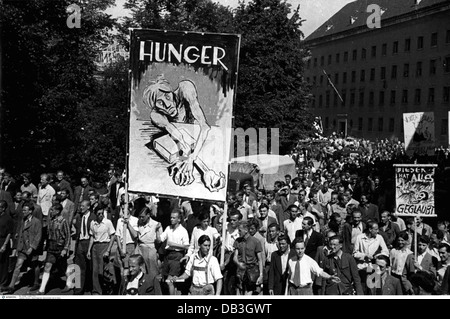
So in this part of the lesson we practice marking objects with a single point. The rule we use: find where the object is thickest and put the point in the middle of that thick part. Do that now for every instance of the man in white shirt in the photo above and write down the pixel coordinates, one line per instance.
(301, 267)
(122, 257)
(177, 243)
(229, 267)
(294, 223)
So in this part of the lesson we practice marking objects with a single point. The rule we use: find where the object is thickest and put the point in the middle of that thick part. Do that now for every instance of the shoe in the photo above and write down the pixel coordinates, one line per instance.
(66, 290)
(35, 287)
(8, 290)
(36, 292)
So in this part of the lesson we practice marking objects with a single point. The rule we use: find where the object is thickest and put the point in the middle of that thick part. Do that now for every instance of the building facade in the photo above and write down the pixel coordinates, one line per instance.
(381, 73)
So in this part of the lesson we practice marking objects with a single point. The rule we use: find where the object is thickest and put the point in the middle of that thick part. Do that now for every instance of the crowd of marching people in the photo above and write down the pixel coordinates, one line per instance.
(330, 230)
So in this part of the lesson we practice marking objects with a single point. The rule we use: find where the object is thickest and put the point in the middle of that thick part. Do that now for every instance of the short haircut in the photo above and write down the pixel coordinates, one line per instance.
(235, 212)
(309, 220)
(263, 206)
(369, 225)
(204, 215)
(444, 245)
(274, 225)
(244, 224)
(27, 176)
(139, 258)
(3, 204)
(292, 206)
(58, 207)
(403, 235)
(254, 222)
(284, 237)
(27, 194)
(297, 240)
(385, 258)
(287, 175)
(96, 195)
(341, 240)
(203, 238)
(424, 239)
(29, 205)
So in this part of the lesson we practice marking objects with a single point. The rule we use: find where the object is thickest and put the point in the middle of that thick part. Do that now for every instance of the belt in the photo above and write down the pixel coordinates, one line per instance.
(301, 286)
(84, 240)
(101, 242)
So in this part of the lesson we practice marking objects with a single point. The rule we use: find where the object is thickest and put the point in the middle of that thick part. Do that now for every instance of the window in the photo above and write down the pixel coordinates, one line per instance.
(355, 54)
(327, 99)
(447, 37)
(371, 98)
(407, 45)
(373, 51)
(406, 70)
(315, 61)
(314, 80)
(395, 47)
(327, 122)
(446, 94)
(394, 72)
(384, 49)
(360, 124)
(420, 43)
(307, 79)
(370, 124)
(381, 98)
(337, 57)
(308, 64)
(345, 56)
(391, 124)
(372, 74)
(335, 100)
(434, 37)
(361, 98)
(419, 69)
(352, 98)
(417, 96)
(383, 73)
(431, 95)
(322, 60)
(380, 124)
(363, 54)
(321, 80)
(344, 98)
(447, 64)
(344, 77)
(313, 102)
(336, 78)
(393, 97)
(353, 76)
(363, 76)
(405, 96)
(320, 100)
(432, 67)
(329, 59)
(444, 126)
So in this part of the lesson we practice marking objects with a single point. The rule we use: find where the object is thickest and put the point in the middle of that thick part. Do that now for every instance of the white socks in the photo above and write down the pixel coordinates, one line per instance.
(45, 277)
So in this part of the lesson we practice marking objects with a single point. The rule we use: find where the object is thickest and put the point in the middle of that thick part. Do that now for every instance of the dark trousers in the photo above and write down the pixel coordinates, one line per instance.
(98, 249)
(84, 263)
(4, 265)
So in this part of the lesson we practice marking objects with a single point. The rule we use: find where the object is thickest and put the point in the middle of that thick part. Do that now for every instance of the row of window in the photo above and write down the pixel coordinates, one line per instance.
(405, 95)
(384, 49)
(380, 125)
(432, 70)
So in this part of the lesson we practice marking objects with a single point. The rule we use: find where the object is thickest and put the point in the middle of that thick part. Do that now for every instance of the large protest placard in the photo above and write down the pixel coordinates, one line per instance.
(419, 133)
(183, 86)
(414, 189)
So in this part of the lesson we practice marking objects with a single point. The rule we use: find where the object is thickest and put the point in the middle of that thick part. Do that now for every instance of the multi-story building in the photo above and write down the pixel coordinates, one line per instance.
(381, 73)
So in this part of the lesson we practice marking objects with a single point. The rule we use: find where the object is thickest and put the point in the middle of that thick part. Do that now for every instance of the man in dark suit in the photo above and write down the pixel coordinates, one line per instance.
(321, 257)
(285, 198)
(81, 193)
(425, 262)
(383, 283)
(369, 211)
(352, 229)
(61, 183)
(388, 229)
(114, 194)
(344, 266)
(138, 282)
(68, 207)
(278, 266)
(8, 184)
(311, 238)
(265, 220)
(249, 196)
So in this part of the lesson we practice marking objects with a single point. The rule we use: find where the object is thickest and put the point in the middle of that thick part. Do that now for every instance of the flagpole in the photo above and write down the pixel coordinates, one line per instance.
(415, 237)
(332, 85)
(224, 232)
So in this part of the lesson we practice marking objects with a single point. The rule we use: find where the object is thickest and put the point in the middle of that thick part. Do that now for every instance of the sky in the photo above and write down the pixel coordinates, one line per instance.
(315, 12)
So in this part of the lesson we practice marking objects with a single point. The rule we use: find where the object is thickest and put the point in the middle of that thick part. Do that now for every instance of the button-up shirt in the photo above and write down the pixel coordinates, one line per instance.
(204, 270)
(45, 197)
(398, 260)
(84, 226)
(269, 248)
(119, 229)
(211, 232)
(367, 246)
(356, 230)
(292, 226)
(134, 284)
(102, 231)
(230, 237)
(178, 235)
(147, 233)
(308, 266)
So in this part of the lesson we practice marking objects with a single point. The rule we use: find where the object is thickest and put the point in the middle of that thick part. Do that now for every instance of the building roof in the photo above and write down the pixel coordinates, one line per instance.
(354, 14)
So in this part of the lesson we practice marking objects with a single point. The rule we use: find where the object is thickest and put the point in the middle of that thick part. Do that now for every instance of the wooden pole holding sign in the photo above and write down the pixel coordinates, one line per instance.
(224, 233)
(415, 238)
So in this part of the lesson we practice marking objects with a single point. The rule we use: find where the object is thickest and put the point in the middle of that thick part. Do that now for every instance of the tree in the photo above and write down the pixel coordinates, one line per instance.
(272, 92)
(48, 72)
